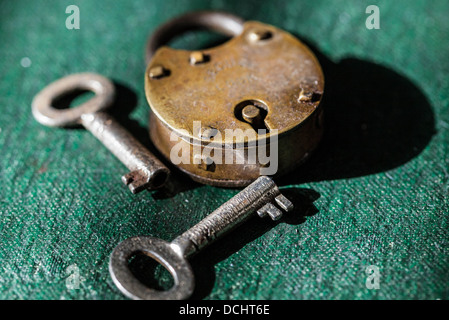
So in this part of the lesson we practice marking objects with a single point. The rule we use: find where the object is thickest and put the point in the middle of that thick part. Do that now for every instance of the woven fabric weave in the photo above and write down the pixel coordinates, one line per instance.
(373, 194)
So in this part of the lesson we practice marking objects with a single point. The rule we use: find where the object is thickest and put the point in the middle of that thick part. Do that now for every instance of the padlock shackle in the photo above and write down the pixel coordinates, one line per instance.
(221, 22)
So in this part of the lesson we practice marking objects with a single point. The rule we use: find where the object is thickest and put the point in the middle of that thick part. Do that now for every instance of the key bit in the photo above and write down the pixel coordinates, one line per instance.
(137, 180)
(284, 203)
(270, 210)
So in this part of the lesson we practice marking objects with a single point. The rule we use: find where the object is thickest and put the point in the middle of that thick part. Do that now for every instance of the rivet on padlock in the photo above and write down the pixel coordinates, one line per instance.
(263, 85)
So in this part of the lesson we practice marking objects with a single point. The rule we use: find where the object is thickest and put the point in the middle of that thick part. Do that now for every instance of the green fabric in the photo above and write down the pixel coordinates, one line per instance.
(375, 193)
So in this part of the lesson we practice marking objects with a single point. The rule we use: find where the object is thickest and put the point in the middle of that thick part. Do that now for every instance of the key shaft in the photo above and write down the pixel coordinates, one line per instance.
(147, 172)
(231, 214)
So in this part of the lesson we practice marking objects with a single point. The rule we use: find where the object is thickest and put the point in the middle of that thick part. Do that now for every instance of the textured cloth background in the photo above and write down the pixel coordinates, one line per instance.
(375, 193)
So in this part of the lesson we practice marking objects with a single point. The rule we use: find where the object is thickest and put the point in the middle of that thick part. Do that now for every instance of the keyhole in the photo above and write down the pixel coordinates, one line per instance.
(252, 112)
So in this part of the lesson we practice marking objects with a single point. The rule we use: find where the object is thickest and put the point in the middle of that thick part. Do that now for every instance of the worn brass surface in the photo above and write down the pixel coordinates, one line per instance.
(263, 67)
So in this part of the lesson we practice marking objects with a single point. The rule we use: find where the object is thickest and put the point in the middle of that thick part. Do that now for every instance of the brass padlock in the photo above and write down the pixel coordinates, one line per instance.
(228, 114)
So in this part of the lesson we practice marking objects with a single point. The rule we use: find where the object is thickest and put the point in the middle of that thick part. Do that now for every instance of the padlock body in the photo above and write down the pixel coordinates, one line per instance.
(198, 98)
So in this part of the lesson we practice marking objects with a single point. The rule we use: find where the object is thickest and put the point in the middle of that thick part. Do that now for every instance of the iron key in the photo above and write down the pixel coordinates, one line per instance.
(258, 196)
(147, 172)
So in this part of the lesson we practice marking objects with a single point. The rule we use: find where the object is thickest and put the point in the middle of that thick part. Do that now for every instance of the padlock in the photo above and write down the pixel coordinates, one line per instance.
(228, 114)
